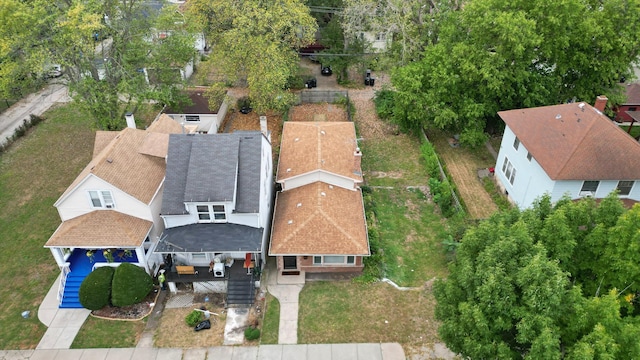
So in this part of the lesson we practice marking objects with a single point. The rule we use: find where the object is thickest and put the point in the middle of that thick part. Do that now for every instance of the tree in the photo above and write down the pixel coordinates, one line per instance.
(103, 48)
(496, 55)
(509, 294)
(257, 41)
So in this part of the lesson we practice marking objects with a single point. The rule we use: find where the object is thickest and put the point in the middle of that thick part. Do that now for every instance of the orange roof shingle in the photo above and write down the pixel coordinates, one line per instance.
(101, 228)
(575, 142)
(311, 146)
(319, 219)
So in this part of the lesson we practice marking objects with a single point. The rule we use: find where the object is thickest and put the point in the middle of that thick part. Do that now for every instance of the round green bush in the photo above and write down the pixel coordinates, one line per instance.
(95, 289)
(194, 318)
(131, 284)
(251, 333)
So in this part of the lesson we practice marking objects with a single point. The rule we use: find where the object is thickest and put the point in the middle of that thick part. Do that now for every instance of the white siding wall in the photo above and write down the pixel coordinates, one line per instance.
(530, 181)
(244, 219)
(266, 185)
(573, 187)
(314, 176)
(207, 121)
(217, 119)
(171, 221)
(78, 202)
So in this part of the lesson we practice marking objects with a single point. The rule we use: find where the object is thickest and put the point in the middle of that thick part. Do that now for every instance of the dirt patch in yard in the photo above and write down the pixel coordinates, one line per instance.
(132, 312)
(318, 112)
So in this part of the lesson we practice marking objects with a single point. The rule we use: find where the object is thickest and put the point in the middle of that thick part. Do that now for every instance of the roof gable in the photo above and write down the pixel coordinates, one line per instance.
(319, 218)
(575, 142)
(311, 146)
(133, 161)
(213, 168)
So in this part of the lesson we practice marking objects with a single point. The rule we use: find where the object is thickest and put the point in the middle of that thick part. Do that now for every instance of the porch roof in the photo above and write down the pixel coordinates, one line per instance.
(210, 238)
(101, 228)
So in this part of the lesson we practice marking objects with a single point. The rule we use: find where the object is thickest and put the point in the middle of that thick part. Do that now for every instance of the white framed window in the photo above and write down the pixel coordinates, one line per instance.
(591, 186)
(199, 256)
(508, 170)
(211, 213)
(624, 187)
(516, 143)
(334, 260)
(381, 36)
(101, 199)
(529, 156)
(192, 118)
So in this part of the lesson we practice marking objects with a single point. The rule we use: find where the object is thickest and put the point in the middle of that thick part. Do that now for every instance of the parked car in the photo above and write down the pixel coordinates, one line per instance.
(326, 71)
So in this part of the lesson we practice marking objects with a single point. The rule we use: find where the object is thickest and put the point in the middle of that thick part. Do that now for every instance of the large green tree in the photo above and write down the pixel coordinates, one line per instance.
(103, 47)
(510, 293)
(496, 55)
(257, 41)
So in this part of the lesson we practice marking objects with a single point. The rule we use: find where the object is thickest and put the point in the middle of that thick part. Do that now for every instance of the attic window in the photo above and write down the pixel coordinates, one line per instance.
(516, 143)
(101, 199)
(624, 187)
(591, 186)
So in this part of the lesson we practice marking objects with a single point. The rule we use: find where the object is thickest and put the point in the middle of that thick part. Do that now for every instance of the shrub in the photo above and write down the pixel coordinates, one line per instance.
(194, 318)
(131, 284)
(243, 103)
(431, 159)
(384, 102)
(252, 333)
(441, 191)
(95, 290)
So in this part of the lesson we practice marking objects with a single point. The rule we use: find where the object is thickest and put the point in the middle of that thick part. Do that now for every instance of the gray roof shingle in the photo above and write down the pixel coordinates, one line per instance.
(210, 238)
(213, 168)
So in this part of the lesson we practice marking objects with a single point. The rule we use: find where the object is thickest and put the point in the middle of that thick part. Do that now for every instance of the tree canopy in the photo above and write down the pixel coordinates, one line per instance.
(103, 48)
(554, 281)
(495, 55)
(256, 40)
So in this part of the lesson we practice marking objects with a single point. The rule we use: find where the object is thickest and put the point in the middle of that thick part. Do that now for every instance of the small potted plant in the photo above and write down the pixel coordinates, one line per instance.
(90, 255)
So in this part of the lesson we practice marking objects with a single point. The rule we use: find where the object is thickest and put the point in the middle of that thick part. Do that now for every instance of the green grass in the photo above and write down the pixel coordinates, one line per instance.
(398, 157)
(271, 321)
(101, 333)
(411, 234)
(33, 174)
(635, 130)
(344, 312)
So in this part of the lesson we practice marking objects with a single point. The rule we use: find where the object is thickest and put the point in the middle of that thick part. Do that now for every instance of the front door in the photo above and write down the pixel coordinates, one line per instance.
(290, 262)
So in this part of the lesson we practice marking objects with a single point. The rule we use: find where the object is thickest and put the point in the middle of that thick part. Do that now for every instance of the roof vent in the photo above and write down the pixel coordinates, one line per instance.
(296, 139)
(330, 186)
(299, 204)
(322, 132)
(288, 169)
(581, 106)
(290, 222)
(109, 160)
(558, 117)
(323, 193)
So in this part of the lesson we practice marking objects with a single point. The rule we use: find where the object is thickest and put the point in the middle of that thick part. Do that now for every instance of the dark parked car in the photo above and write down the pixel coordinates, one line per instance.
(326, 71)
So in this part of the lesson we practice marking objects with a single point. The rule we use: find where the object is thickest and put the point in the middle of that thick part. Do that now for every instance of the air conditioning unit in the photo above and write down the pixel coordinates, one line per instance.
(587, 194)
(109, 206)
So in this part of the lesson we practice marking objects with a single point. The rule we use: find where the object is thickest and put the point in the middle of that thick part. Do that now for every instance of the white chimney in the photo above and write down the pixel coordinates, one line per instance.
(263, 125)
(130, 120)
(357, 157)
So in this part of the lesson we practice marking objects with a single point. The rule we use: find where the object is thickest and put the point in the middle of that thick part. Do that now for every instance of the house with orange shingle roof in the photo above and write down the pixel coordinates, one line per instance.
(568, 149)
(319, 224)
(111, 212)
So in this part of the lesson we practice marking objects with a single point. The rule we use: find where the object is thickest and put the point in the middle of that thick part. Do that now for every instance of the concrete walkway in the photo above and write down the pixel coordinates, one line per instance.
(35, 104)
(287, 290)
(385, 351)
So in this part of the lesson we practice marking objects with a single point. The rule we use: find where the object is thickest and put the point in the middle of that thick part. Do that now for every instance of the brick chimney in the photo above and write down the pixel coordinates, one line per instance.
(601, 102)
(357, 160)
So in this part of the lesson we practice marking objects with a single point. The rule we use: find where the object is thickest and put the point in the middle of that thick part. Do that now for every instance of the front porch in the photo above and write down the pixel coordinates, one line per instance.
(236, 270)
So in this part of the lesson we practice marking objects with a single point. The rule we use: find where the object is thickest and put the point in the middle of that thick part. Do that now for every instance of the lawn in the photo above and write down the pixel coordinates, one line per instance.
(462, 164)
(344, 312)
(411, 235)
(271, 321)
(33, 174)
(100, 333)
(635, 130)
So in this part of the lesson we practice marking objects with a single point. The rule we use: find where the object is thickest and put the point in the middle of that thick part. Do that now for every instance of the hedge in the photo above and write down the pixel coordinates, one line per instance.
(95, 290)
(131, 284)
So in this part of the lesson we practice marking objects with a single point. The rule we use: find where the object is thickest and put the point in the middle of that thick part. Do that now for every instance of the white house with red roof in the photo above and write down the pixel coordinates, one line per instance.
(568, 149)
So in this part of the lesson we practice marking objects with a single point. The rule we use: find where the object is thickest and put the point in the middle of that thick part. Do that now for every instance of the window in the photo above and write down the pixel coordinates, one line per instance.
(509, 171)
(334, 260)
(529, 156)
(632, 109)
(192, 117)
(218, 213)
(205, 213)
(516, 143)
(624, 187)
(101, 199)
(381, 37)
(590, 186)
(199, 256)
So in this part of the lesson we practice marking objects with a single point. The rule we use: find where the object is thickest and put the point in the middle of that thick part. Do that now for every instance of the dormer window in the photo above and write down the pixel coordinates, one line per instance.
(101, 199)
(211, 213)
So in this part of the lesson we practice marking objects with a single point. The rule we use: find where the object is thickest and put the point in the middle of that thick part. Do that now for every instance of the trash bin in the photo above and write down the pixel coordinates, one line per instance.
(367, 80)
(372, 81)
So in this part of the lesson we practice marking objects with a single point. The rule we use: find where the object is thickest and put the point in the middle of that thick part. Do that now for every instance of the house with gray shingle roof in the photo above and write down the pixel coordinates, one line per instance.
(217, 199)
(568, 149)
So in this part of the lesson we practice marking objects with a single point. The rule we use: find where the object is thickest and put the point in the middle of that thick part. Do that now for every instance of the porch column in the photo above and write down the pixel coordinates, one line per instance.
(141, 258)
(58, 255)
